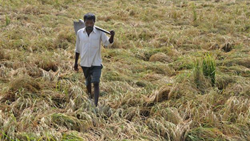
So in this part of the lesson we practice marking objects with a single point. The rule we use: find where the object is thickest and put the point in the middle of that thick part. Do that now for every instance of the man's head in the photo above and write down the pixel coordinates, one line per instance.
(89, 20)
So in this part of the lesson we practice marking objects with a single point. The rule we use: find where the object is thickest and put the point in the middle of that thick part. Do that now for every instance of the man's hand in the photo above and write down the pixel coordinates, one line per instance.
(112, 33)
(76, 67)
(111, 39)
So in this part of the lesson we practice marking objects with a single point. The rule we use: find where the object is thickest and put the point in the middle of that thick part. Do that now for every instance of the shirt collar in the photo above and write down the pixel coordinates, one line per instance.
(94, 29)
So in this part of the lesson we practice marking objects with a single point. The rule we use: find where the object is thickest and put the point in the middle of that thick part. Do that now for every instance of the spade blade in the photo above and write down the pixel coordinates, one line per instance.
(78, 25)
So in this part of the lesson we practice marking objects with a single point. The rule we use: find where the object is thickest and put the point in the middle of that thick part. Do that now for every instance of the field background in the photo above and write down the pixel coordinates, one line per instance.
(178, 70)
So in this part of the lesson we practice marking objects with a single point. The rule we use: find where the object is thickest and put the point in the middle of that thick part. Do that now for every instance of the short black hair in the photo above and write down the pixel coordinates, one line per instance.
(89, 16)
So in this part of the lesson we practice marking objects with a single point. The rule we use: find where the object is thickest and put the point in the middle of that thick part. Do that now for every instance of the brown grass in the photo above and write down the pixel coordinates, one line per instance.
(161, 57)
(151, 88)
(26, 83)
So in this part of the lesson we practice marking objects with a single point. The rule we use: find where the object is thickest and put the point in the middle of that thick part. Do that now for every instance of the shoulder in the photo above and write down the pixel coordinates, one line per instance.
(101, 33)
(80, 30)
(97, 31)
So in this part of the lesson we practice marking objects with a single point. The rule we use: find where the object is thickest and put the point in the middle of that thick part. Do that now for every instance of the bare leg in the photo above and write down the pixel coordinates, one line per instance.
(96, 91)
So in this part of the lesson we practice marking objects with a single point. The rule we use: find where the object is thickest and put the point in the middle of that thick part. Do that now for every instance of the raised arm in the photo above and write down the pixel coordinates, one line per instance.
(107, 41)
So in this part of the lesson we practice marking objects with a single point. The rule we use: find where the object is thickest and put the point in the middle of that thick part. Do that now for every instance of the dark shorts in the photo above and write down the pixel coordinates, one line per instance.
(92, 74)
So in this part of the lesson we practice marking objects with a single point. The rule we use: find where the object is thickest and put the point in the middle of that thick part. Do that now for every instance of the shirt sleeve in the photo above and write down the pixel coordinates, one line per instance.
(105, 40)
(77, 46)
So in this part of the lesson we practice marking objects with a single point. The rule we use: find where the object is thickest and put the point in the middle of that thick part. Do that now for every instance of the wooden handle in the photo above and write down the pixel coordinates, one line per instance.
(103, 30)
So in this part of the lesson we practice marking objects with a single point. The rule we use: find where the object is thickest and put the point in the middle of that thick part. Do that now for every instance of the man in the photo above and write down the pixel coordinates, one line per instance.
(88, 46)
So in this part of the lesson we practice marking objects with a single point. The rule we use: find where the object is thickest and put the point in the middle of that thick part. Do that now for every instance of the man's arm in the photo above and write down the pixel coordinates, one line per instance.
(76, 53)
(76, 60)
(107, 41)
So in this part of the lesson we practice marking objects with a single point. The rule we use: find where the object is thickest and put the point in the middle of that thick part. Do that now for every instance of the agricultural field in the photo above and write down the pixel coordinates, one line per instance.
(178, 71)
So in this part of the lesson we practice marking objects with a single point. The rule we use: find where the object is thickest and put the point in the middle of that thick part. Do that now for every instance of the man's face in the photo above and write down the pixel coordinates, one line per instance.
(89, 24)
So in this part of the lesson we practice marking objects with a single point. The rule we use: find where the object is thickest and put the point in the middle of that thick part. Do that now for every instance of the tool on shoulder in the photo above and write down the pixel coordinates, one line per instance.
(80, 24)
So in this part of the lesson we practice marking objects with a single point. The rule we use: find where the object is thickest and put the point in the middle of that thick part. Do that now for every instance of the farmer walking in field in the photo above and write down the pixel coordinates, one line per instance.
(88, 47)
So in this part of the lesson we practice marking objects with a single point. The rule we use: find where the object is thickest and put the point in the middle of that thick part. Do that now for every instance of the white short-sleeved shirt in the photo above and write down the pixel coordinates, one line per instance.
(89, 47)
